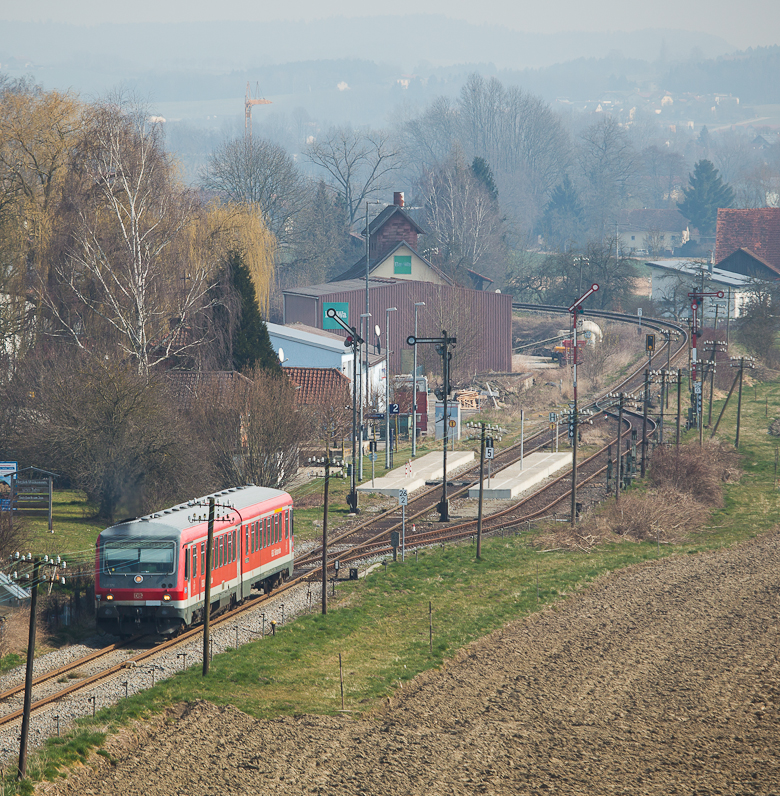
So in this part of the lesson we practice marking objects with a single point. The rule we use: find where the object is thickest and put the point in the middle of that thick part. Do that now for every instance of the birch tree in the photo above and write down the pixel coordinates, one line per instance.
(127, 263)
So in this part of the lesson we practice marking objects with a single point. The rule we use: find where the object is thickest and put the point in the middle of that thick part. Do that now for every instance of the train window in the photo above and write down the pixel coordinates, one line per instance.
(290, 520)
(235, 545)
(286, 518)
(221, 551)
(195, 561)
(265, 532)
(186, 565)
(246, 539)
(229, 545)
(203, 557)
(277, 528)
(139, 557)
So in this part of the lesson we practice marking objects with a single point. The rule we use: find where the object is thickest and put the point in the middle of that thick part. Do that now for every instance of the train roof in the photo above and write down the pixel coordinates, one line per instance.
(169, 523)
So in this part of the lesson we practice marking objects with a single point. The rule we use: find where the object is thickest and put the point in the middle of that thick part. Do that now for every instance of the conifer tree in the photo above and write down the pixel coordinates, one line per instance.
(705, 194)
(251, 343)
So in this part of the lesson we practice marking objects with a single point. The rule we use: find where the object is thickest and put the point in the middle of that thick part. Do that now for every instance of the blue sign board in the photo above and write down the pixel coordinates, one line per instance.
(6, 469)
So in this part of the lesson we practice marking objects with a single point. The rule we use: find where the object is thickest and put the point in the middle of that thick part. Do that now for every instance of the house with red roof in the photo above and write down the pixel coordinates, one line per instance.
(319, 386)
(747, 242)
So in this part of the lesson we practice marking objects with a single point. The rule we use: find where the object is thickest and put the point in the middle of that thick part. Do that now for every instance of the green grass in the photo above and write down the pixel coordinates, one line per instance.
(380, 624)
(75, 527)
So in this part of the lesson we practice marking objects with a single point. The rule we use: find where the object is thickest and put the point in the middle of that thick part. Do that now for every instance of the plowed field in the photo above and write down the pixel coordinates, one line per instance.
(659, 679)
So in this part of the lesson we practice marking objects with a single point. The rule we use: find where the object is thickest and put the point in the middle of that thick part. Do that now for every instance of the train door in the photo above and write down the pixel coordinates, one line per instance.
(194, 573)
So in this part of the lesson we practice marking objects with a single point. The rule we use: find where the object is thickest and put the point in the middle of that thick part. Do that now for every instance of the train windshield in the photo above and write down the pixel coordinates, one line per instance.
(138, 557)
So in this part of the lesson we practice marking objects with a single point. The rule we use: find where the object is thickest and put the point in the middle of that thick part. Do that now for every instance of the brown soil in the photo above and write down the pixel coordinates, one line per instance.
(660, 679)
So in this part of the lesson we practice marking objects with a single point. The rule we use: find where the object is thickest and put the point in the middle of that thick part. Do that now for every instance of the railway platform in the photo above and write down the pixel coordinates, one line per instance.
(517, 478)
(413, 476)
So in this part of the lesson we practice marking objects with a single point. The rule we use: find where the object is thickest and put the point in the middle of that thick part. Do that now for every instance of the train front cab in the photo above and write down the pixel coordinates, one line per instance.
(139, 589)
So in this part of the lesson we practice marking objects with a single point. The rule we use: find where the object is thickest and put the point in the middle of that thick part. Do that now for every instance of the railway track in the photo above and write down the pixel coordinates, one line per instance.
(370, 537)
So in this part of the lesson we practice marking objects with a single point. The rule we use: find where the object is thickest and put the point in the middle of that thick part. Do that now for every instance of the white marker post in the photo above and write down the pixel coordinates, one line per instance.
(403, 499)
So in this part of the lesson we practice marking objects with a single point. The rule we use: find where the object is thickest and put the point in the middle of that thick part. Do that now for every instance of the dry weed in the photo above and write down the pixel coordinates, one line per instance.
(686, 485)
(699, 471)
(14, 631)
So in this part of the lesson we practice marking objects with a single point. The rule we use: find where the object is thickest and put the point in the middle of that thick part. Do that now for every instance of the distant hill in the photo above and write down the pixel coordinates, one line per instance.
(408, 43)
(751, 75)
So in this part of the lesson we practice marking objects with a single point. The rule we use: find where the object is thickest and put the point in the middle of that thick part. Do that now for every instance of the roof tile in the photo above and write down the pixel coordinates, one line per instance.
(757, 231)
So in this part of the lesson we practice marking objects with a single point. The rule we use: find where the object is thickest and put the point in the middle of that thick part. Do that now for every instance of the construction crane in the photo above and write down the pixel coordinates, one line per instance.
(249, 102)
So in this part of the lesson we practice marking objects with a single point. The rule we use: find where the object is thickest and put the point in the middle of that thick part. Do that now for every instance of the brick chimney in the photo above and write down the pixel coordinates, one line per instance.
(396, 228)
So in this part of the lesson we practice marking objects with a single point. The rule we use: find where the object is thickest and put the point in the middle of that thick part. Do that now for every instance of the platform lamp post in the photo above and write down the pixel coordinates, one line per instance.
(573, 309)
(414, 383)
(442, 344)
(387, 385)
(363, 396)
(353, 340)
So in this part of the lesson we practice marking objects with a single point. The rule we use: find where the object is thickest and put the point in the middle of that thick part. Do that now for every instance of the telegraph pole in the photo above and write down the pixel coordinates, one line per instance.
(207, 596)
(644, 422)
(573, 309)
(39, 563)
(481, 488)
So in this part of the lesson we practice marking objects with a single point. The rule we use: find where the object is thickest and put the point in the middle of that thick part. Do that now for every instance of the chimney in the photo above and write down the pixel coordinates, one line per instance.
(398, 198)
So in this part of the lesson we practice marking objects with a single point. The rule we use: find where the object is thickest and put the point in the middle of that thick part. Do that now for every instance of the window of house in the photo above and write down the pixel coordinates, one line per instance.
(402, 264)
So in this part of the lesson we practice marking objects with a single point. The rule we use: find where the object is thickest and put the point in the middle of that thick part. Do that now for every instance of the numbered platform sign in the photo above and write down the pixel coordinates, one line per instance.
(403, 497)
(489, 453)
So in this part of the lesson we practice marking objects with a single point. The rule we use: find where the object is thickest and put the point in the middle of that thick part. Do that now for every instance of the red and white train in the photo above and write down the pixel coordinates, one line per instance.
(150, 572)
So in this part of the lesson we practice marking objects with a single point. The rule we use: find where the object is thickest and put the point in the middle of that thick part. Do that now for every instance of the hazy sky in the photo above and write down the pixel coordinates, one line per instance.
(743, 23)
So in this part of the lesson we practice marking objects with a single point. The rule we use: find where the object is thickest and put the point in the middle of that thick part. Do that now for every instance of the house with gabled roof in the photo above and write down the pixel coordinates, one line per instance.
(747, 242)
(392, 249)
(652, 231)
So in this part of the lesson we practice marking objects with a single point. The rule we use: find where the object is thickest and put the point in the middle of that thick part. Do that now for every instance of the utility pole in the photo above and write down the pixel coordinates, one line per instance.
(328, 463)
(207, 596)
(442, 344)
(481, 488)
(39, 563)
(679, 406)
(750, 364)
(573, 309)
(645, 402)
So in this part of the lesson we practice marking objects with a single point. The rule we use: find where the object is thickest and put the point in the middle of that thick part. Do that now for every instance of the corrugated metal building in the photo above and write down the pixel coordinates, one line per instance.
(481, 321)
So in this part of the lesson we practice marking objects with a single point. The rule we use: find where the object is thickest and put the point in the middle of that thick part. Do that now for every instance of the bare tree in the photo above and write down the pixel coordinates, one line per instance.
(359, 163)
(104, 427)
(128, 261)
(463, 216)
(261, 173)
(609, 165)
(254, 429)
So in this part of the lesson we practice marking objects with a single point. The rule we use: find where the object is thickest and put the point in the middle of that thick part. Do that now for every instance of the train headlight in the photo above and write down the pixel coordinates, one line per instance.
(166, 597)
(109, 596)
